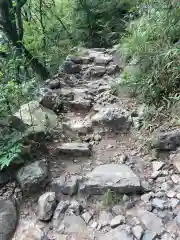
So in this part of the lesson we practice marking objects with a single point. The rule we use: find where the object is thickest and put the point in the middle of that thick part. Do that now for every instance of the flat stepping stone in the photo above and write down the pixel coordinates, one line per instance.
(116, 177)
(75, 149)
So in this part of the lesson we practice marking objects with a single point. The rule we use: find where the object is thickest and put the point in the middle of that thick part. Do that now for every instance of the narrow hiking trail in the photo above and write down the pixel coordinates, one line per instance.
(104, 183)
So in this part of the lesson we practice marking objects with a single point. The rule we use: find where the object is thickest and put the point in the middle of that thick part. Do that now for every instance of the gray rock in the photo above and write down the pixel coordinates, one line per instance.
(103, 59)
(46, 206)
(75, 149)
(76, 207)
(87, 217)
(149, 235)
(158, 203)
(147, 196)
(167, 140)
(116, 177)
(33, 176)
(167, 236)
(157, 165)
(151, 221)
(117, 209)
(8, 219)
(174, 202)
(115, 234)
(96, 71)
(70, 68)
(67, 186)
(118, 220)
(112, 69)
(4, 178)
(80, 104)
(112, 116)
(137, 231)
(33, 233)
(176, 162)
(74, 224)
(59, 213)
(33, 113)
(105, 218)
(54, 84)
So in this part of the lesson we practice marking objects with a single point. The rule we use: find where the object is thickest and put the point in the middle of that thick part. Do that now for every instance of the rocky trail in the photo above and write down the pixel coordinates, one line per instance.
(98, 180)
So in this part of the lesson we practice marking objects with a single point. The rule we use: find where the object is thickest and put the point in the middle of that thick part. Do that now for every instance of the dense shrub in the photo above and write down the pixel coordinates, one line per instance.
(151, 48)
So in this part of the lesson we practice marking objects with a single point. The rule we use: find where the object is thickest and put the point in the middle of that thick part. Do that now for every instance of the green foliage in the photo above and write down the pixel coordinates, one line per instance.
(152, 45)
(10, 146)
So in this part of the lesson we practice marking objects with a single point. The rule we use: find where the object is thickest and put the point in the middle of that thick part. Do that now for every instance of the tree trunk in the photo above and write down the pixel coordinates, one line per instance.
(38, 67)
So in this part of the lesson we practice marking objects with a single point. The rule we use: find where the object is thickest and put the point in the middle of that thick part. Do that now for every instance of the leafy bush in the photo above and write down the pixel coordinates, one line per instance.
(151, 48)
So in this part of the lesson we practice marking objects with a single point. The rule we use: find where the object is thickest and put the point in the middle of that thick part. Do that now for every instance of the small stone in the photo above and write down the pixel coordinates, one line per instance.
(147, 196)
(118, 220)
(157, 165)
(59, 213)
(76, 207)
(165, 186)
(46, 206)
(178, 218)
(67, 186)
(137, 231)
(174, 202)
(178, 196)
(94, 225)
(87, 217)
(155, 174)
(105, 218)
(149, 235)
(117, 209)
(176, 162)
(125, 198)
(167, 236)
(175, 178)
(109, 146)
(97, 137)
(158, 203)
(151, 221)
(171, 194)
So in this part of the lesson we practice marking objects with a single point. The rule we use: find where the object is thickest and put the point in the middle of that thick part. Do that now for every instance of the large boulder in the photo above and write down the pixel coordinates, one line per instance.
(112, 116)
(34, 114)
(33, 176)
(167, 141)
(116, 177)
(46, 206)
(8, 219)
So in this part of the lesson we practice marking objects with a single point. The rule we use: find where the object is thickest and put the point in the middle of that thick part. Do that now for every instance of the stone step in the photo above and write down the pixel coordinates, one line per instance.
(75, 149)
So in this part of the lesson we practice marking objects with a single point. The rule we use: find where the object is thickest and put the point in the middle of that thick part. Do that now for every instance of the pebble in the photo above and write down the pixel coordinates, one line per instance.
(86, 217)
(174, 202)
(137, 231)
(158, 203)
(147, 196)
(117, 221)
(175, 178)
(170, 194)
(157, 165)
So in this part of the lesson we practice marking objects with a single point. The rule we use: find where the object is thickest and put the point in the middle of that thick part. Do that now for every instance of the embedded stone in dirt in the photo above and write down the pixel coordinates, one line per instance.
(168, 141)
(151, 221)
(8, 219)
(96, 71)
(46, 206)
(75, 149)
(73, 224)
(67, 186)
(33, 176)
(112, 116)
(117, 177)
(33, 233)
(115, 234)
(120, 219)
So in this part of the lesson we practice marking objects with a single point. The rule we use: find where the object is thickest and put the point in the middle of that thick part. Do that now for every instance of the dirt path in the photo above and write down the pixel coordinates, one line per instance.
(137, 198)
